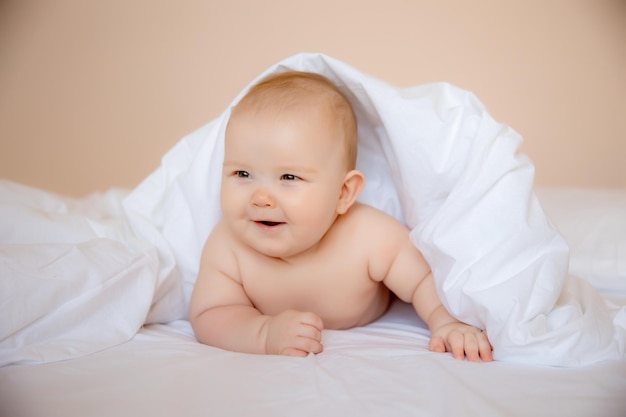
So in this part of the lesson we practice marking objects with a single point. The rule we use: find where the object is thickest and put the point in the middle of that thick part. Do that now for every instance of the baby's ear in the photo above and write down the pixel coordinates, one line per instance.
(352, 186)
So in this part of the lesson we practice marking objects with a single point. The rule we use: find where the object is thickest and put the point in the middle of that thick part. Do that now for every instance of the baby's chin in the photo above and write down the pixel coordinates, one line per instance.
(278, 254)
(287, 253)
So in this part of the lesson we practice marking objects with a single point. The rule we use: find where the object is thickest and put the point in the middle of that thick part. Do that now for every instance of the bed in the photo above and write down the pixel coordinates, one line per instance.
(95, 289)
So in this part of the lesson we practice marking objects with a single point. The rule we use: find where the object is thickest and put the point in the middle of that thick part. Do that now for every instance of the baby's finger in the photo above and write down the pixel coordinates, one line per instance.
(308, 345)
(485, 349)
(457, 344)
(294, 352)
(437, 344)
(312, 319)
(309, 332)
(471, 348)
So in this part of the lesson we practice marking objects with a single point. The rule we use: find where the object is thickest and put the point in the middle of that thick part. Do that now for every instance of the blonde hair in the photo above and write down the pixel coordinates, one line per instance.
(284, 90)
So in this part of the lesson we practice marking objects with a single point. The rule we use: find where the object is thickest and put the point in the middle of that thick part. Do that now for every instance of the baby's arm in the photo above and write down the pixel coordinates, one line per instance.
(411, 279)
(222, 315)
(449, 334)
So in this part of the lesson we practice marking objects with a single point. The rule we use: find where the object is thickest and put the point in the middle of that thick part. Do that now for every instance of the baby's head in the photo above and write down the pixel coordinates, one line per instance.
(303, 92)
(289, 163)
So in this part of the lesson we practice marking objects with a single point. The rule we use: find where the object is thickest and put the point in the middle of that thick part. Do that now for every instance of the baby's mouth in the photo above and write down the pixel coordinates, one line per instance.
(268, 223)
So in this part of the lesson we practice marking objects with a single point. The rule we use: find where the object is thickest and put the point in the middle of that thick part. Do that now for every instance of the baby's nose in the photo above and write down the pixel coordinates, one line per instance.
(262, 198)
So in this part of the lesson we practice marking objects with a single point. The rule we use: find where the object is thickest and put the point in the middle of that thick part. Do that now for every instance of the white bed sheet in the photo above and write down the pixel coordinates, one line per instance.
(381, 369)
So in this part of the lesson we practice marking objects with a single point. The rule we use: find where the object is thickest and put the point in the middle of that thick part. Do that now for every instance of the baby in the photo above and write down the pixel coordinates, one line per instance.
(295, 253)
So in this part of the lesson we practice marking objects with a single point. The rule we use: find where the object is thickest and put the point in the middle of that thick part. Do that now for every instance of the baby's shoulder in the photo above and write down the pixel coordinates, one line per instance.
(374, 221)
(219, 252)
(218, 240)
(220, 231)
(381, 236)
(366, 213)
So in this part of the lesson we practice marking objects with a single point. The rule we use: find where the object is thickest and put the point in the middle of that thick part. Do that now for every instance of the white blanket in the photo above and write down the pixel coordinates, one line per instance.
(433, 158)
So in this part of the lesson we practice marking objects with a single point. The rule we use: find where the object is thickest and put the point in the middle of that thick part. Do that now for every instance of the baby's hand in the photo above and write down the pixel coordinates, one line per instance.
(463, 341)
(294, 333)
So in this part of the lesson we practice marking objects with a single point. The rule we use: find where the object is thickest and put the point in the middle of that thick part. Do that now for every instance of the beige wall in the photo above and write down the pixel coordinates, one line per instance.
(94, 92)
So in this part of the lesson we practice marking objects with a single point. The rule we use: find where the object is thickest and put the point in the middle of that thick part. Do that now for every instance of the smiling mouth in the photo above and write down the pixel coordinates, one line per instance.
(268, 223)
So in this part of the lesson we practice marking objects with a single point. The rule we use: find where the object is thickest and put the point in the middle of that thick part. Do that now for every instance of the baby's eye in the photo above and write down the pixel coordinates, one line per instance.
(289, 177)
(242, 174)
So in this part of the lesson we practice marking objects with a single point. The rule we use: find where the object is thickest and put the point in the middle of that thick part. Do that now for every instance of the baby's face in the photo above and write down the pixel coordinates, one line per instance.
(282, 178)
